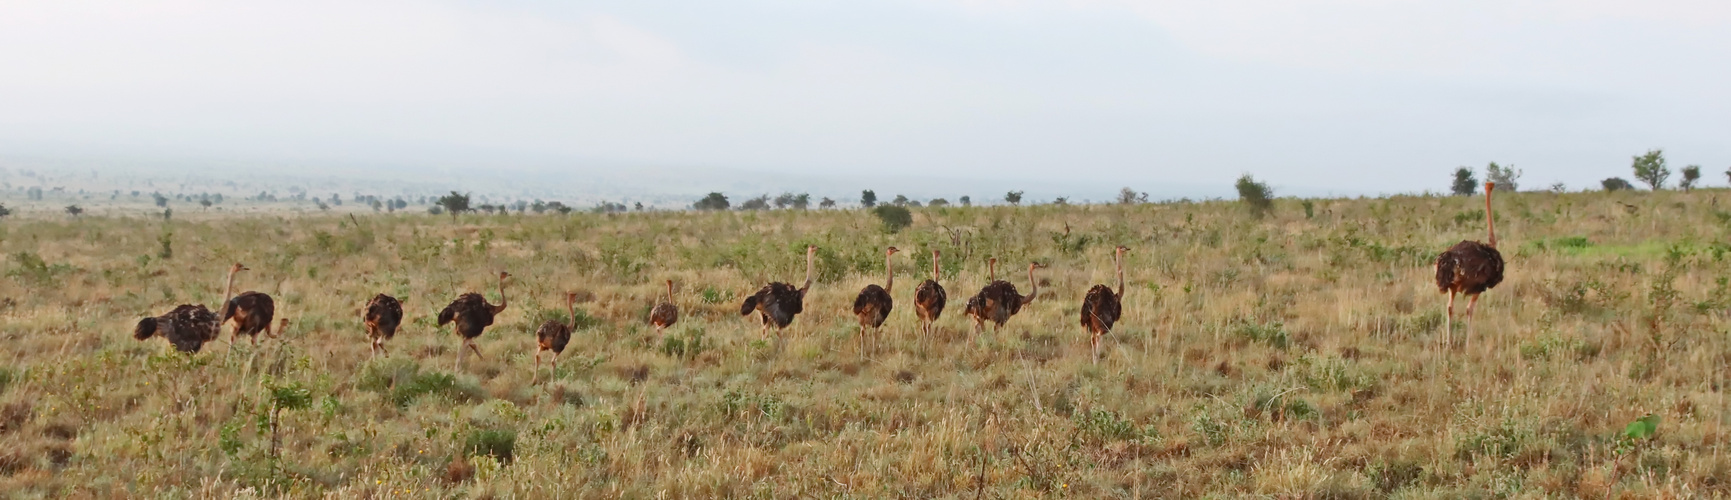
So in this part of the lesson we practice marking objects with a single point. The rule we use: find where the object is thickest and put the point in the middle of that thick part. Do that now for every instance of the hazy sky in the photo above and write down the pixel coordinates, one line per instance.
(1355, 95)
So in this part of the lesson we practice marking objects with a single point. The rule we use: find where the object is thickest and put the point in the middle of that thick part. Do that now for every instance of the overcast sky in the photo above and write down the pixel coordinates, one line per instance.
(1352, 95)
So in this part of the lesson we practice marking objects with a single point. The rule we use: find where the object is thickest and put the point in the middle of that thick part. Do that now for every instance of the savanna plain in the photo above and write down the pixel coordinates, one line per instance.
(1289, 356)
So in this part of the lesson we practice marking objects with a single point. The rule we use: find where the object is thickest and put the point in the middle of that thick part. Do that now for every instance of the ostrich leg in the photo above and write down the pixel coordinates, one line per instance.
(1449, 322)
(1472, 302)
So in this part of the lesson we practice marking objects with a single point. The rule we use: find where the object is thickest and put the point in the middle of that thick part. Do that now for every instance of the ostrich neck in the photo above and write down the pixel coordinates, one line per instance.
(1033, 286)
(501, 307)
(809, 263)
(1118, 260)
(889, 273)
(934, 267)
(1490, 222)
(670, 292)
(228, 290)
(571, 307)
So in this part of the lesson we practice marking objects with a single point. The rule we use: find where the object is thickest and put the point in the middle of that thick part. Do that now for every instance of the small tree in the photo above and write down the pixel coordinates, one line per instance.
(1616, 184)
(900, 201)
(5, 212)
(1504, 177)
(1257, 196)
(938, 202)
(74, 210)
(894, 218)
(1127, 196)
(1465, 182)
(784, 200)
(1650, 169)
(161, 201)
(868, 198)
(1691, 174)
(1013, 197)
(714, 201)
(826, 203)
(539, 206)
(968, 202)
(802, 200)
(454, 204)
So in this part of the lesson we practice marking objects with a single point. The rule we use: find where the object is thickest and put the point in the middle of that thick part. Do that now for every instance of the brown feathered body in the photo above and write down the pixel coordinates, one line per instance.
(1101, 308)
(553, 336)
(776, 303)
(664, 315)
(929, 300)
(384, 314)
(187, 327)
(872, 306)
(998, 301)
(471, 312)
(1469, 268)
(252, 312)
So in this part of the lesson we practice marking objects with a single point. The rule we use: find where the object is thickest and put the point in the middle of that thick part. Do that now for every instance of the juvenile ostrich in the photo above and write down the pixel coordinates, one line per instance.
(472, 315)
(929, 299)
(251, 311)
(553, 336)
(1000, 300)
(1102, 307)
(778, 302)
(976, 306)
(665, 314)
(383, 315)
(1469, 268)
(187, 327)
(874, 303)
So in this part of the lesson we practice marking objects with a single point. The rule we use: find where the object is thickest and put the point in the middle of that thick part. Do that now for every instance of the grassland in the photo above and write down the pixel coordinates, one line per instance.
(1293, 356)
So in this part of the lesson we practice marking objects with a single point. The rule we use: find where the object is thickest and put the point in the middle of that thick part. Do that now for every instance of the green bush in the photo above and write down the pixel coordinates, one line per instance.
(501, 444)
(1257, 196)
(895, 218)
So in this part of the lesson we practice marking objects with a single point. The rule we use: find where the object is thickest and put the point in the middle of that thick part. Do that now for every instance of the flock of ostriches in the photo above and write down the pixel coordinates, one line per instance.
(1467, 268)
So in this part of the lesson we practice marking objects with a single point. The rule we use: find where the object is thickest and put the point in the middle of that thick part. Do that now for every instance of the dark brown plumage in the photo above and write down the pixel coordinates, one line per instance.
(187, 327)
(1000, 300)
(873, 304)
(553, 336)
(976, 305)
(1102, 307)
(252, 312)
(929, 299)
(384, 314)
(472, 315)
(779, 302)
(665, 314)
(1469, 268)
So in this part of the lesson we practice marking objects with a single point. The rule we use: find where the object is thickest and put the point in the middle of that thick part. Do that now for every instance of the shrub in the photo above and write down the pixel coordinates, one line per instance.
(894, 218)
(1013, 197)
(1504, 177)
(868, 198)
(1257, 196)
(1691, 174)
(713, 201)
(501, 444)
(454, 203)
(1616, 184)
(758, 203)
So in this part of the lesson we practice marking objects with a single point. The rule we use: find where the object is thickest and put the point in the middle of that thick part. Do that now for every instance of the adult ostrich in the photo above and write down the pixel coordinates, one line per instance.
(874, 303)
(976, 306)
(929, 299)
(778, 302)
(251, 311)
(1469, 268)
(472, 315)
(553, 336)
(384, 314)
(665, 314)
(1000, 300)
(1102, 307)
(187, 327)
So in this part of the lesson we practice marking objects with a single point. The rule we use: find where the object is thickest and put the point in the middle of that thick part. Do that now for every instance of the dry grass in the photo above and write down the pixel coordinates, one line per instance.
(1288, 357)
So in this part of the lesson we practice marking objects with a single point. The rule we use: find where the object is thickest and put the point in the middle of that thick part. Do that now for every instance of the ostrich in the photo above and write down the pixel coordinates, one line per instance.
(1469, 268)
(929, 298)
(778, 302)
(874, 303)
(1000, 300)
(473, 315)
(187, 327)
(976, 306)
(665, 314)
(553, 336)
(1102, 307)
(251, 311)
(383, 315)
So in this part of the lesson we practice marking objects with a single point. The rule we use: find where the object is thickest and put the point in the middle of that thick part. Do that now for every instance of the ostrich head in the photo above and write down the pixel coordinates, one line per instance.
(893, 251)
(146, 328)
(570, 298)
(238, 267)
(810, 249)
(503, 275)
